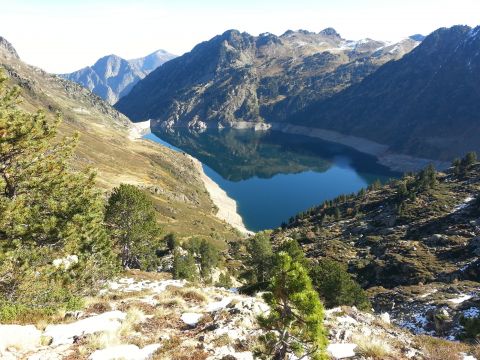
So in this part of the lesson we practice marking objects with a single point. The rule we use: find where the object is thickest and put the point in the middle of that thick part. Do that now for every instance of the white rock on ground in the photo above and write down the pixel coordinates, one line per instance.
(125, 352)
(24, 337)
(191, 318)
(341, 351)
(64, 333)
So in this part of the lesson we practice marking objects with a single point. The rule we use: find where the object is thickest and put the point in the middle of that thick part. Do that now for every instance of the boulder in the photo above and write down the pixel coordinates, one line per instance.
(21, 337)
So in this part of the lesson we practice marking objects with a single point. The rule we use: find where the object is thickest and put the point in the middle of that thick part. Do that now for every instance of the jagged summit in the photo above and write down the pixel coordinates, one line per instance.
(236, 77)
(417, 37)
(7, 48)
(329, 32)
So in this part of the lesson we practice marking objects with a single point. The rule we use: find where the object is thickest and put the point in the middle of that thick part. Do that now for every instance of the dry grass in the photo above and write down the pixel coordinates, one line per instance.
(123, 295)
(98, 306)
(440, 349)
(146, 308)
(188, 294)
(373, 347)
(172, 349)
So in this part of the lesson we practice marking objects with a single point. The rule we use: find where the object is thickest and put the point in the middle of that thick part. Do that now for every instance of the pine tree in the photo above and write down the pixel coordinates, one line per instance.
(171, 241)
(259, 259)
(184, 266)
(294, 324)
(209, 258)
(131, 216)
(47, 211)
(336, 287)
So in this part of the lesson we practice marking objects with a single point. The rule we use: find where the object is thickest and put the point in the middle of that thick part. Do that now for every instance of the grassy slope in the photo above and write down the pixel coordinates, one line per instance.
(181, 199)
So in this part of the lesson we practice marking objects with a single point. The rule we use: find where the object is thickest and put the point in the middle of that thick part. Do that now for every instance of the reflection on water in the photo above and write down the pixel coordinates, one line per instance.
(272, 175)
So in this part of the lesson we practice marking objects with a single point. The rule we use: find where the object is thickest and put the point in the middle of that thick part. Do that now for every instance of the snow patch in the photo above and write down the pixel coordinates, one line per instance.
(341, 351)
(125, 352)
(191, 319)
(65, 333)
(471, 312)
(460, 299)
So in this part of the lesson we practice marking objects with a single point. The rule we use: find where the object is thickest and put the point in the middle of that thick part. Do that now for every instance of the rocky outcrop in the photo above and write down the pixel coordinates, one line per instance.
(7, 49)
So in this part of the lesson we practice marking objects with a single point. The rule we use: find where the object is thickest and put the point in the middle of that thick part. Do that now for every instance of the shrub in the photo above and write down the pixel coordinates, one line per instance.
(336, 286)
(184, 266)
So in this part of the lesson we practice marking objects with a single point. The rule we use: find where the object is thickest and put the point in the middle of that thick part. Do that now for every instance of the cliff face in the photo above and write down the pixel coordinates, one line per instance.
(236, 77)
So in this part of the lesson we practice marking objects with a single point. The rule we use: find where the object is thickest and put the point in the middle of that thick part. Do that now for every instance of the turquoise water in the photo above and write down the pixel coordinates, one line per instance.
(273, 176)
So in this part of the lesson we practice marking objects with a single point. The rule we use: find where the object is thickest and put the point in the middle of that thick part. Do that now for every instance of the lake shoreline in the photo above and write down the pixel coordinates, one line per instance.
(393, 161)
(227, 207)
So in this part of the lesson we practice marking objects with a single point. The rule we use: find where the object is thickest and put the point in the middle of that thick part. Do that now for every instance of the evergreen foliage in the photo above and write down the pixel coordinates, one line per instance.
(184, 266)
(336, 286)
(259, 250)
(130, 215)
(209, 257)
(47, 212)
(294, 324)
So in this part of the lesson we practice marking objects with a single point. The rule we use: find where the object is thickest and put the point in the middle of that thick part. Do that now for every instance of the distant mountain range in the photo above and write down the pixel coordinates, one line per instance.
(417, 97)
(427, 103)
(236, 77)
(112, 77)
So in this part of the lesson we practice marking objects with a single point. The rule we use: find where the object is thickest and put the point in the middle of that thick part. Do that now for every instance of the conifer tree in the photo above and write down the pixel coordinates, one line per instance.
(209, 258)
(260, 253)
(294, 324)
(184, 266)
(131, 216)
(47, 211)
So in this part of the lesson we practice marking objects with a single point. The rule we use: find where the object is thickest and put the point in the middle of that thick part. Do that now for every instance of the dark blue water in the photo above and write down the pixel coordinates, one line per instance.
(273, 176)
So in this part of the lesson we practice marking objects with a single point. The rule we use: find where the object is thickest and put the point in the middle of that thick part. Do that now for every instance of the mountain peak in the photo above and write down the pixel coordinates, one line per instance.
(417, 37)
(329, 32)
(8, 48)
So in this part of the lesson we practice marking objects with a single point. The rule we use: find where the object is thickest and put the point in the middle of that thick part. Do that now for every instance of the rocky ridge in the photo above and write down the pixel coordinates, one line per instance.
(236, 79)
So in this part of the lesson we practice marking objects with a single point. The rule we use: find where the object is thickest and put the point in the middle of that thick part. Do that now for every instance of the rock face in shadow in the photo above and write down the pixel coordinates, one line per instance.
(426, 104)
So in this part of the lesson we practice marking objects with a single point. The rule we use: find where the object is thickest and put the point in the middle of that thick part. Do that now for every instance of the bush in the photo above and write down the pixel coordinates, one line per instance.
(184, 266)
(471, 328)
(294, 325)
(336, 286)
(209, 258)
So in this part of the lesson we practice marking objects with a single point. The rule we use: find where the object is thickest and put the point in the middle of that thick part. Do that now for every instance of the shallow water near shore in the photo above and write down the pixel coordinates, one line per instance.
(273, 176)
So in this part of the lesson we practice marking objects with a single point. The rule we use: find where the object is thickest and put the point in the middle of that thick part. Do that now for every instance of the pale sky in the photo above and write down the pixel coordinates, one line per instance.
(66, 35)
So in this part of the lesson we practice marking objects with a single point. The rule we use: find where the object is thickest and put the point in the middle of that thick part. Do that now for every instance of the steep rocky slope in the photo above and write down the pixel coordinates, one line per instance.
(235, 77)
(112, 77)
(173, 179)
(416, 250)
(426, 104)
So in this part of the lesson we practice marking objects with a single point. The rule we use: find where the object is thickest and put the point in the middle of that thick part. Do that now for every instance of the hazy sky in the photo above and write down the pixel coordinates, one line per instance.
(65, 35)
